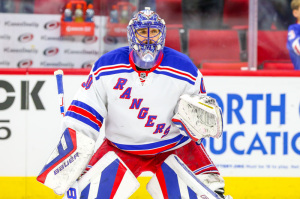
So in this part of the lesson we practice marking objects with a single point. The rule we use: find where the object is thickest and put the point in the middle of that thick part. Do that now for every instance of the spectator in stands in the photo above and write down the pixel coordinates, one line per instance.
(7, 6)
(202, 14)
(274, 14)
(16, 6)
(147, 3)
(104, 7)
(293, 44)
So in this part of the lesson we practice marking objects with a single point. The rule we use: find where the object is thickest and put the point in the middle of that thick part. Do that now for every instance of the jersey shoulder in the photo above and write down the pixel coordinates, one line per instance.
(294, 27)
(179, 61)
(118, 56)
(293, 32)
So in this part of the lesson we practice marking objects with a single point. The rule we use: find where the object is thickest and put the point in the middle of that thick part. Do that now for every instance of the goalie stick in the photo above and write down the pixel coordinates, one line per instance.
(60, 88)
(70, 157)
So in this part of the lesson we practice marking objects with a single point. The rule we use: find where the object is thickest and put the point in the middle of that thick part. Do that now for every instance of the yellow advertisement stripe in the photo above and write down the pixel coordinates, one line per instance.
(237, 187)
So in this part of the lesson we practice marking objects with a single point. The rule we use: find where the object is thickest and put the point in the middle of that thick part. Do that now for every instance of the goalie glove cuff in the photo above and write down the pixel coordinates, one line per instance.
(186, 129)
(199, 117)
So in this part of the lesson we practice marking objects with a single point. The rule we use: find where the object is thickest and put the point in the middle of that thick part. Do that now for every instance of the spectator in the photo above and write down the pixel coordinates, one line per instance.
(274, 14)
(147, 3)
(16, 6)
(202, 14)
(293, 44)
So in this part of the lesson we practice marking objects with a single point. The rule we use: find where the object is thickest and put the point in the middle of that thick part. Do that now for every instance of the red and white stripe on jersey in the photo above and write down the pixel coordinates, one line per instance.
(86, 114)
(112, 68)
(177, 72)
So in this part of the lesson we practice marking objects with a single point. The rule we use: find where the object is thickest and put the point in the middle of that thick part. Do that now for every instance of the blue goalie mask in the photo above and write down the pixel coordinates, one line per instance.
(146, 34)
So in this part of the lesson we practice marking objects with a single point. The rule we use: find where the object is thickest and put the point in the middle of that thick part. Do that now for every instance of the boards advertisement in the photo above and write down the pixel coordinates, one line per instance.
(261, 136)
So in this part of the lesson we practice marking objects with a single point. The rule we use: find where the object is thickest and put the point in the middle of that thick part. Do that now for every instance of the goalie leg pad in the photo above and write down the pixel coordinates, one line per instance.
(109, 178)
(175, 180)
(213, 181)
(67, 161)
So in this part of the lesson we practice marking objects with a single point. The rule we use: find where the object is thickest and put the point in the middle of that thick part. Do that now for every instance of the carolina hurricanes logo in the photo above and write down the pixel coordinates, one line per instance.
(26, 37)
(51, 51)
(51, 25)
(87, 64)
(90, 40)
(25, 63)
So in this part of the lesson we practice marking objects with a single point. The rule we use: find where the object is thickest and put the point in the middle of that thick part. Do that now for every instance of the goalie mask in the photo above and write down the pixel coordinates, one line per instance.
(146, 34)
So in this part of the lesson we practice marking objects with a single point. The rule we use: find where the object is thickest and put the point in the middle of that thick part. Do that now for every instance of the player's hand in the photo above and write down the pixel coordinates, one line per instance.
(199, 116)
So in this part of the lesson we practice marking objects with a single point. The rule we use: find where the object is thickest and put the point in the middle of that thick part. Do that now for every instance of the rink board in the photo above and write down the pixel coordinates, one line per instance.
(259, 150)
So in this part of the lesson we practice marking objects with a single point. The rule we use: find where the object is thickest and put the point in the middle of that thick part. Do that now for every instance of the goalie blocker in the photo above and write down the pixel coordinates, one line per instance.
(199, 116)
(67, 161)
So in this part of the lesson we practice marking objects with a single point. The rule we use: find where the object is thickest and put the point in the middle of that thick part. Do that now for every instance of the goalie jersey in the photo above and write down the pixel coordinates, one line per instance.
(137, 106)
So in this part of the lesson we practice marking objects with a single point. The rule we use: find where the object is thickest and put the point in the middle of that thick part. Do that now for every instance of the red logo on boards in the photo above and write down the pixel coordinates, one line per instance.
(51, 51)
(51, 25)
(90, 40)
(26, 37)
(25, 63)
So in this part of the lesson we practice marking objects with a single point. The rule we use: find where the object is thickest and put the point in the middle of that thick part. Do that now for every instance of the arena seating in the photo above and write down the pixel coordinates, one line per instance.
(213, 45)
(170, 11)
(224, 65)
(278, 65)
(235, 13)
(173, 39)
(271, 46)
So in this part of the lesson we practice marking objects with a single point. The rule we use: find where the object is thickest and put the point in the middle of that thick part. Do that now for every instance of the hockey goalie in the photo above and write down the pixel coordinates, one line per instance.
(156, 113)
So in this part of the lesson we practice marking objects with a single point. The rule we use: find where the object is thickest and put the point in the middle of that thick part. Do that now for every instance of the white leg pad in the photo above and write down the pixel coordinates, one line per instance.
(109, 177)
(175, 180)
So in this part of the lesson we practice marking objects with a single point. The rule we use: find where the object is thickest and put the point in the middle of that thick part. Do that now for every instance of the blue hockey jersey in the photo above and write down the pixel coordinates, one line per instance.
(137, 106)
(293, 44)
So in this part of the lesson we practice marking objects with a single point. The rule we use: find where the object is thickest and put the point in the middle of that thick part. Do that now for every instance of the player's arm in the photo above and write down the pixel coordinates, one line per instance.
(81, 126)
(293, 40)
(198, 115)
(88, 109)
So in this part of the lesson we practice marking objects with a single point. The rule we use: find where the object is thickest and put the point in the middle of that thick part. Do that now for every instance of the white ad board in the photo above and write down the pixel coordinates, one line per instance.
(34, 41)
(261, 123)
(261, 126)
